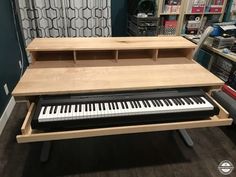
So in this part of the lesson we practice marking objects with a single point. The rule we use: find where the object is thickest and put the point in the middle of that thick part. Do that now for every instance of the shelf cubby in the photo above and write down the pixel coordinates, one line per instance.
(53, 55)
(175, 53)
(95, 54)
(136, 54)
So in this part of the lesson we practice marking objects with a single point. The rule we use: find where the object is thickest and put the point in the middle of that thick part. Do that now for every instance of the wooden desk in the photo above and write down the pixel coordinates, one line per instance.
(142, 64)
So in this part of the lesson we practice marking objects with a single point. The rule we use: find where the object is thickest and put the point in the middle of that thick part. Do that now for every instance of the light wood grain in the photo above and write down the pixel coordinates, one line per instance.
(113, 43)
(223, 114)
(97, 79)
(26, 127)
(121, 62)
(48, 136)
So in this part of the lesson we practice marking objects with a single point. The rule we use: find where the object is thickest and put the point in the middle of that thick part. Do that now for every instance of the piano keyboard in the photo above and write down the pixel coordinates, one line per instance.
(125, 108)
(114, 109)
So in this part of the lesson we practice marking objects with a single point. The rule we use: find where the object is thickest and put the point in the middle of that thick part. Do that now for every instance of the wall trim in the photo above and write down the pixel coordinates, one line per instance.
(6, 114)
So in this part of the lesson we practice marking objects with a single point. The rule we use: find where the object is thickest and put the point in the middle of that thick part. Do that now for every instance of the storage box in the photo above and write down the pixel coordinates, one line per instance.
(198, 9)
(215, 8)
(170, 24)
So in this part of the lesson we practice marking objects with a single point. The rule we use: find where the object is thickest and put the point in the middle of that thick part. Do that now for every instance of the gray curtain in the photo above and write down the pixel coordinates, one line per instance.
(64, 18)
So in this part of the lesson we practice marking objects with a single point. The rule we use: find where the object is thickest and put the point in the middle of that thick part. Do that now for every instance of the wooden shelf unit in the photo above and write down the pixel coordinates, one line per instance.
(117, 49)
(116, 64)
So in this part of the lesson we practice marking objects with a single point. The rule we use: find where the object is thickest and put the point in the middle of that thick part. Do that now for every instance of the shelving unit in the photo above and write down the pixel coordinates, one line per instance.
(207, 14)
(170, 17)
(178, 23)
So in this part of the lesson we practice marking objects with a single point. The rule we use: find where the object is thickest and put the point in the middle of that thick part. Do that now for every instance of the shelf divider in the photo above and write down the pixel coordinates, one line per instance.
(116, 55)
(75, 56)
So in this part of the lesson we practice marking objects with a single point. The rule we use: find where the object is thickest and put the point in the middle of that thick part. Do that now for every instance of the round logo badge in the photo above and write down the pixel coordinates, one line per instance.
(225, 167)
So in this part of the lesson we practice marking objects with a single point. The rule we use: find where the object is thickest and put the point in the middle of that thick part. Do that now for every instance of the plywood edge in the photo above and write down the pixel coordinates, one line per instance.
(26, 127)
(60, 92)
(224, 114)
(48, 136)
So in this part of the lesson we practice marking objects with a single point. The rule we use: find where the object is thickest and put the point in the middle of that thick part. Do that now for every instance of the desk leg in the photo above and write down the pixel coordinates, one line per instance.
(187, 139)
(45, 151)
(210, 63)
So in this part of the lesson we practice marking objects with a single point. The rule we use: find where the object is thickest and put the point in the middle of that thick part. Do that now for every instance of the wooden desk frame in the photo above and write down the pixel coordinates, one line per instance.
(112, 64)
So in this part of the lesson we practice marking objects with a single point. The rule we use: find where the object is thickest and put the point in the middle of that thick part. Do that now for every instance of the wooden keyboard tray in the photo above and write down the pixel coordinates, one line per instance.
(31, 135)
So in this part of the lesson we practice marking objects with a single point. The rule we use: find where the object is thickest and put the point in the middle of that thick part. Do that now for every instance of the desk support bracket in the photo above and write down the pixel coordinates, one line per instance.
(45, 151)
(187, 139)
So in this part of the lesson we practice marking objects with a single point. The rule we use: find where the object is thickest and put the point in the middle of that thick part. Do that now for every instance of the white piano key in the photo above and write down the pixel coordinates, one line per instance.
(46, 116)
(41, 115)
(58, 114)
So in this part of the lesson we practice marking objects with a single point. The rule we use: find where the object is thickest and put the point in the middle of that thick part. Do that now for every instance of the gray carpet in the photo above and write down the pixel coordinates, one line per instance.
(160, 154)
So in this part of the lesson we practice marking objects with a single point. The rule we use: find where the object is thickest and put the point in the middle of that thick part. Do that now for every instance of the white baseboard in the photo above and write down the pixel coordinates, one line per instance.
(6, 114)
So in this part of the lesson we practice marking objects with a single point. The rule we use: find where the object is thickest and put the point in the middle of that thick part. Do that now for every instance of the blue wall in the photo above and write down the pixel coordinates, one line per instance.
(119, 17)
(9, 53)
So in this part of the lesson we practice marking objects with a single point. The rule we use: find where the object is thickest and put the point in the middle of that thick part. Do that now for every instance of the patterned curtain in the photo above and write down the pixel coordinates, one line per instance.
(64, 18)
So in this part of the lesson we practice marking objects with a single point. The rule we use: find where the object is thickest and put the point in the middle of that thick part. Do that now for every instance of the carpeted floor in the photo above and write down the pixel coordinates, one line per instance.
(160, 154)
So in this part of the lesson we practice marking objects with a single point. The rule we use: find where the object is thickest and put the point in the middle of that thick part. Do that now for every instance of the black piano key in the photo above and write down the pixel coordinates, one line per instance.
(113, 105)
(94, 108)
(149, 105)
(132, 105)
(109, 106)
(196, 100)
(190, 101)
(44, 111)
(50, 111)
(202, 100)
(80, 108)
(183, 103)
(65, 110)
(199, 100)
(139, 105)
(117, 107)
(76, 108)
(157, 103)
(100, 106)
(122, 105)
(55, 110)
(69, 108)
(126, 105)
(62, 108)
(166, 102)
(154, 104)
(144, 103)
(135, 104)
(170, 103)
(178, 100)
(174, 101)
(86, 107)
(90, 107)
(103, 106)
(187, 101)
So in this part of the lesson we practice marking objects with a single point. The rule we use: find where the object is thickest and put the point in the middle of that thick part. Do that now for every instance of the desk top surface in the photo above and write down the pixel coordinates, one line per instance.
(42, 81)
(110, 43)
